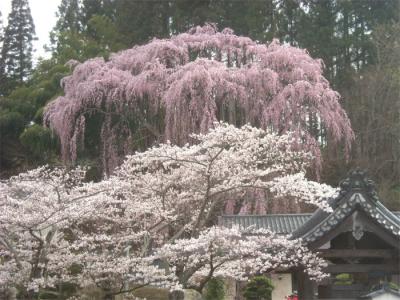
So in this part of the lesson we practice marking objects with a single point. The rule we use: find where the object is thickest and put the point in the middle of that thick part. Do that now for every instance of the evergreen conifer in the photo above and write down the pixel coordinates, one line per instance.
(16, 54)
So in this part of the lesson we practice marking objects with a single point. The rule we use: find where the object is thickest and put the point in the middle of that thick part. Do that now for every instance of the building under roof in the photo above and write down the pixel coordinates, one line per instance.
(359, 238)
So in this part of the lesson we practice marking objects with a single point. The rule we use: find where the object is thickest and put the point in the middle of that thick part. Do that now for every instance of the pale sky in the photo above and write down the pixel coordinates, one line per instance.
(44, 17)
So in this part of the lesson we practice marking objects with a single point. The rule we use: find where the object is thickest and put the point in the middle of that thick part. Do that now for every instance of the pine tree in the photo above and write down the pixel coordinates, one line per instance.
(91, 8)
(69, 15)
(1, 51)
(1, 30)
(69, 20)
(17, 46)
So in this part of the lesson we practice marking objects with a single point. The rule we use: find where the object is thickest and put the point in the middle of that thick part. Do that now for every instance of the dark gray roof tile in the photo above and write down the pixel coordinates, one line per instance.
(279, 223)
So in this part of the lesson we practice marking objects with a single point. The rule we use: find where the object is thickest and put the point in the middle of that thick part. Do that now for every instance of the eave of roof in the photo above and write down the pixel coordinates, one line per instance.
(382, 291)
(278, 223)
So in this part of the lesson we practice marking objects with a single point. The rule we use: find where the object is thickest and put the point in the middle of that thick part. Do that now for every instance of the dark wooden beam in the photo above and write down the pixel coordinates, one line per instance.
(338, 253)
(362, 268)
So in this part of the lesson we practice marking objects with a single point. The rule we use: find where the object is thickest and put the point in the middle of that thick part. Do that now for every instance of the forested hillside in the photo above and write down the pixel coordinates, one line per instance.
(357, 40)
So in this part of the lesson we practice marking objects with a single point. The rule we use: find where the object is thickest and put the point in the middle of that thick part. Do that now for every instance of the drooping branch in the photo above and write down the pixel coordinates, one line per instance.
(182, 85)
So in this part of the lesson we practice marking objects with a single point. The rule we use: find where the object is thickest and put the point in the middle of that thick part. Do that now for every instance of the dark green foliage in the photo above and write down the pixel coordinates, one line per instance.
(139, 21)
(90, 8)
(69, 16)
(69, 20)
(343, 279)
(11, 123)
(16, 54)
(106, 34)
(1, 29)
(39, 141)
(259, 288)
(214, 289)
(23, 107)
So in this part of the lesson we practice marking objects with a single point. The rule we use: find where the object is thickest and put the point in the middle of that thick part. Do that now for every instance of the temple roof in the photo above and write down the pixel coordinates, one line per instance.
(278, 223)
(357, 193)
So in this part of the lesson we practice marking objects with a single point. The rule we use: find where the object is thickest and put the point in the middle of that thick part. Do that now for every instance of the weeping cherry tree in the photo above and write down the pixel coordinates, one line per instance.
(170, 88)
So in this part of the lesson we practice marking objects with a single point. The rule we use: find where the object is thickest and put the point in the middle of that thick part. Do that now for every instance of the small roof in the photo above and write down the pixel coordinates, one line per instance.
(357, 193)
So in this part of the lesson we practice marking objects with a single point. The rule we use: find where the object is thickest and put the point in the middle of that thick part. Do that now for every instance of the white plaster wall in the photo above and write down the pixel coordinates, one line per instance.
(230, 289)
(282, 285)
(386, 296)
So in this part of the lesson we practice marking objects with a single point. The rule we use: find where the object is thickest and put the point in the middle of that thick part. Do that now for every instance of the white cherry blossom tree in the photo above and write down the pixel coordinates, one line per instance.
(149, 223)
(56, 229)
(37, 209)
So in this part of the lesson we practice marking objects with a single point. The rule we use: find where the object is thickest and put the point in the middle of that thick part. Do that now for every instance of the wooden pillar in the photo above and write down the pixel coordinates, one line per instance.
(307, 289)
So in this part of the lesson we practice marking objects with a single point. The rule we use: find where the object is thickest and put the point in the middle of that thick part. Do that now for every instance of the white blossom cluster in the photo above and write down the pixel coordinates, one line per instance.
(230, 252)
(149, 223)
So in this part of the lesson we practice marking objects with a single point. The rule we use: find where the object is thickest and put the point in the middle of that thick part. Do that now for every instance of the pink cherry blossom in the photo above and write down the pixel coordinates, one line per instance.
(170, 88)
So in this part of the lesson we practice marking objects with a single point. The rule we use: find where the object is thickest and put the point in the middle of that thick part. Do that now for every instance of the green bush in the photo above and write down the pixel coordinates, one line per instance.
(344, 279)
(38, 140)
(214, 289)
(259, 288)
(11, 123)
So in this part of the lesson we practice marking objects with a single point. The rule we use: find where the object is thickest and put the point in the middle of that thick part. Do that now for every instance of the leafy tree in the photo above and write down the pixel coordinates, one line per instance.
(2, 67)
(342, 37)
(139, 21)
(90, 8)
(259, 288)
(39, 142)
(374, 108)
(106, 35)
(24, 105)
(69, 16)
(321, 21)
(24, 108)
(1, 31)
(69, 20)
(16, 56)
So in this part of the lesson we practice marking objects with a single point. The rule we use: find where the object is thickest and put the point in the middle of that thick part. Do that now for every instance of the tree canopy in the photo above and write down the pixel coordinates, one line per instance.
(169, 88)
(353, 39)
(16, 54)
(151, 223)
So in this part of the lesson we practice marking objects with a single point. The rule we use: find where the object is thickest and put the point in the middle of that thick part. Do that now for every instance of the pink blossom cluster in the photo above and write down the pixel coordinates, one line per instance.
(170, 88)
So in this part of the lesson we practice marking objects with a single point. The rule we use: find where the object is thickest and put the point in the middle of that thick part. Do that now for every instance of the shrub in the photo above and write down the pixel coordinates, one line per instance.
(259, 288)
(214, 289)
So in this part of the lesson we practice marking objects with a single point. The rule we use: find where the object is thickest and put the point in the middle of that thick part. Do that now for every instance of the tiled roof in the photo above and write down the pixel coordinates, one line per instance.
(279, 223)
(282, 223)
(357, 193)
